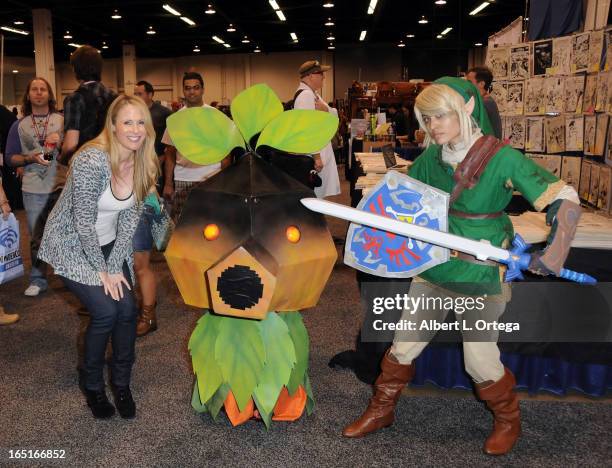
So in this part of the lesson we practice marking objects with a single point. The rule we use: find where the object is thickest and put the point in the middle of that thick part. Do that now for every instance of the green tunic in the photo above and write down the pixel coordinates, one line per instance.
(509, 169)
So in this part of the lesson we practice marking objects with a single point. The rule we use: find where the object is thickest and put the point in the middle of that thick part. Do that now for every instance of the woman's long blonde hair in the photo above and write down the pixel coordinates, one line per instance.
(442, 99)
(146, 164)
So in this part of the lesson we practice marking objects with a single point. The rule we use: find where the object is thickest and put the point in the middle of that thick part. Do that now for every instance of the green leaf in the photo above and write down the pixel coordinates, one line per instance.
(299, 336)
(310, 402)
(203, 135)
(280, 359)
(216, 402)
(254, 108)
(196, 402)
(299, 131)
(240, 353)
(266, 417)
(202, 348)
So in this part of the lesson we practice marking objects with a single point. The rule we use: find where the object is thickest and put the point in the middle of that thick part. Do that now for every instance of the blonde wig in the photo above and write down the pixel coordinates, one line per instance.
(146, 164)
(439, 99)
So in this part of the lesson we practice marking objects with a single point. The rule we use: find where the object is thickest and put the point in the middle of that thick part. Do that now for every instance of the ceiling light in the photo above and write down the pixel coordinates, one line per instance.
(479, 8)
(273, 4)
(15, 71)
(169, 9)
(104, 46)
(226, 45)
(188, 21)
(362, 35)
(423, 20)
(218, 39)
(231, 28)
(116, 15)
(440, 2)
(281, 15)
(446, 31)
(330, 37)
(372, 7)
(196, 49)
(439, 36)
(478, 44)
(409, 36)
(19, 23)
(72, 44)
(210, 10)
(151, 31)
(330, 47)
(257, 50)
(67, 35)
(328, 5)
(15, 30)
(401, 44)
(245, 40)
(329, 22)
(294, 36)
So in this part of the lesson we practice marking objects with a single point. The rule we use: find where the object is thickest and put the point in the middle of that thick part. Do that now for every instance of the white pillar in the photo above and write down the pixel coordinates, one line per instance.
(43, 45)
(129, 69)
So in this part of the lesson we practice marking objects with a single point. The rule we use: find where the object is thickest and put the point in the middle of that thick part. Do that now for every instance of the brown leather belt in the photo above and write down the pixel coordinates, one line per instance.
(463, 214)
(471, 259)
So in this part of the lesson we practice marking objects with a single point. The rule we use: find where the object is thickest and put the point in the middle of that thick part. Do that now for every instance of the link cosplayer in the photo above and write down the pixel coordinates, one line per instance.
(480, 176)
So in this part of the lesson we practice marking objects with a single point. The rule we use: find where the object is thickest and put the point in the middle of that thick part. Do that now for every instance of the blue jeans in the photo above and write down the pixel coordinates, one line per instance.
(37, 207)
(143, 239)
(108, 319)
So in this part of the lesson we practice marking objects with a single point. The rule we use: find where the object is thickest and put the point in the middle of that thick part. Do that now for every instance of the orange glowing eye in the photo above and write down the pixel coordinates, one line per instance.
(293, 234)
(211, 232)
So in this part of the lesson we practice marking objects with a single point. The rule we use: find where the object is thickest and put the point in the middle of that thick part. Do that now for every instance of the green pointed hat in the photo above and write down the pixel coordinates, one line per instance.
(468, 90)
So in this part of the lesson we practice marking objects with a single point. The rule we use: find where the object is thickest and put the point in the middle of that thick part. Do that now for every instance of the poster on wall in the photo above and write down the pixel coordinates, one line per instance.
(552, 163)
(608, 157)
(600, 134)
(607, 49)
(580, 52)
(555, 134)
(497, 61)
(534, 134)
(590, 127)
(574, 133)
(520, 68)
(514, 98)
(499, 93)
(601, 99)
(585, 179)
(516, 131)
(555, 98)
(594, 188)
(570, 170)
(562, 56)
(605, 178)
(596, 43)
(542, 57)
(590, 94)
(535, 103)
(574, 92)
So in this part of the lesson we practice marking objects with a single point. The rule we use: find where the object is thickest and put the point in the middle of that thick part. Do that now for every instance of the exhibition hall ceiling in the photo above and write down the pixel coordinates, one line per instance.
(160, 32)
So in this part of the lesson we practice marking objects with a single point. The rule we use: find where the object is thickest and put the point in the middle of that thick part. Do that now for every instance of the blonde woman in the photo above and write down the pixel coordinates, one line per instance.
(88, 241)
(454, 118)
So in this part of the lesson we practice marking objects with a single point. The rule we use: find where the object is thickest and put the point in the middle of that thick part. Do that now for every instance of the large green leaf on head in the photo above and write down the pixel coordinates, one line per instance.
(299, 131)
(203, 135)
(254, 108)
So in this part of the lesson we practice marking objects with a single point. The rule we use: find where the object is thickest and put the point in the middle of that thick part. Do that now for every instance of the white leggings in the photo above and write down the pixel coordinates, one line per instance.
(482, 359)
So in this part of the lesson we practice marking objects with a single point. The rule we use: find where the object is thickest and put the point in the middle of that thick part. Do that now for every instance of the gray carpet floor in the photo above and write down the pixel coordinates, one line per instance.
(41, 406)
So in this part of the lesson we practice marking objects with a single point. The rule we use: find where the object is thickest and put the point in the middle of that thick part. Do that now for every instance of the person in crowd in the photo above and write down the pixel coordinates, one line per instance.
(88, 241)
(85, 109)
(182, 175)
(312, 75)
(5, 208)
(33, 143)
(452, 114)
(482, 77)
(10, 180)
(398, 119)
(143, 240)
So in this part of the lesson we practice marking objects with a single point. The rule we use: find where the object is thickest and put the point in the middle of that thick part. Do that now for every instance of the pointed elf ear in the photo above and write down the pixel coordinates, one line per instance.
(469, 106)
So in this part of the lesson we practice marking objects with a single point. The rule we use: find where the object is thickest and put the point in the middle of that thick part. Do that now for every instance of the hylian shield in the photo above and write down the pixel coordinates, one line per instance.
(389, 255)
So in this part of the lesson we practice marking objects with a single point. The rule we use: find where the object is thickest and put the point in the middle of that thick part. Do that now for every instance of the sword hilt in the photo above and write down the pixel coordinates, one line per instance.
(518, 260)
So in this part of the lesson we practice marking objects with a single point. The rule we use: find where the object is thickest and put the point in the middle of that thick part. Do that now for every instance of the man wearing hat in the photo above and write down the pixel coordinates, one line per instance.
(306, 97)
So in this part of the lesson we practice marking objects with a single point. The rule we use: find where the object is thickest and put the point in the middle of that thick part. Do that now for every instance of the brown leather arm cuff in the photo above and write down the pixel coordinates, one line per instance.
(554, 256)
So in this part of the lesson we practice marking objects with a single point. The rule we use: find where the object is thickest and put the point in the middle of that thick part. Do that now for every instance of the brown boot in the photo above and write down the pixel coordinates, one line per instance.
(503, 402)
(387, 390)
(147, 321)
(7, 319)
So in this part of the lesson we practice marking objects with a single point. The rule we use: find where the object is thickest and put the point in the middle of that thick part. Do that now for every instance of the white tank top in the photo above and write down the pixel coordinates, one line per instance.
(108, 212)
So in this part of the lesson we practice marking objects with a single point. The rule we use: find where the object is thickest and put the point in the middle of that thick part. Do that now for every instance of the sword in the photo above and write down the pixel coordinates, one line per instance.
(515, 259)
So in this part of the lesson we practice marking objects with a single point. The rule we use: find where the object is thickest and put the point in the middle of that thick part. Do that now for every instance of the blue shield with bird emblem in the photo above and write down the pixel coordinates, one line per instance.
(390, 255)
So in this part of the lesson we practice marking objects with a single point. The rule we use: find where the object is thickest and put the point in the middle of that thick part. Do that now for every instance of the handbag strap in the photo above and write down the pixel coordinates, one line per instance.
(469, 170)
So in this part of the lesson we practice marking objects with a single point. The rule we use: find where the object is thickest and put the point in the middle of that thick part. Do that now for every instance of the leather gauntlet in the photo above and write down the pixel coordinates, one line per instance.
(564, 216)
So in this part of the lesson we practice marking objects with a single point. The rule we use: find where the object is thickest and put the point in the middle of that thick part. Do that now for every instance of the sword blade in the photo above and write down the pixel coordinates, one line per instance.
(481, 250)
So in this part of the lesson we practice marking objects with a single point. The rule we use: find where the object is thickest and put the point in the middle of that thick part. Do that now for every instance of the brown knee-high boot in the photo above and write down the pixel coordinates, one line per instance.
(147, 321)
(387, 390)
(503, 402)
